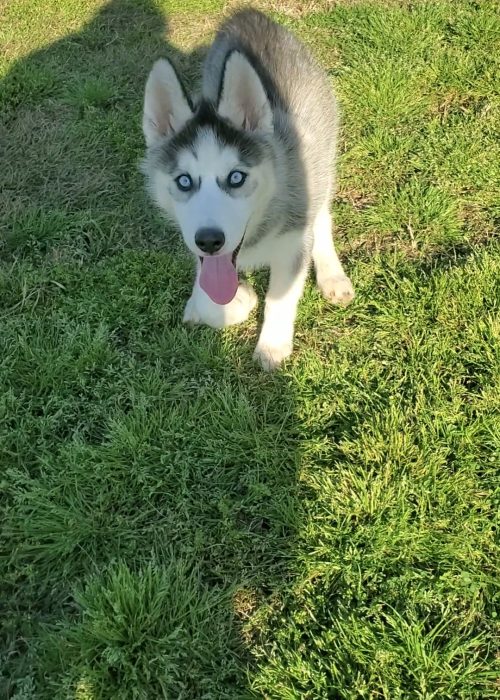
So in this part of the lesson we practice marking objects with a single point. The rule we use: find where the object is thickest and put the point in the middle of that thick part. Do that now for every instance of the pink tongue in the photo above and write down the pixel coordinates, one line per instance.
(219, 279)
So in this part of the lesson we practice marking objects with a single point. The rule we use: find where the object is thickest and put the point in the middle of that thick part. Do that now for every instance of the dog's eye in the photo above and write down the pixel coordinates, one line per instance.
(236, 178)
(184, 183)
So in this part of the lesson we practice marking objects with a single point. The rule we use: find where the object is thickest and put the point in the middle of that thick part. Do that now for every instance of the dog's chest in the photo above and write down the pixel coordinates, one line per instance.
(273, 248)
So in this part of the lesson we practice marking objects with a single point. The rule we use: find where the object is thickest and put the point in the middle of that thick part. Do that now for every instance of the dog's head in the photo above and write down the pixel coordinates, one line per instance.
(210, 166)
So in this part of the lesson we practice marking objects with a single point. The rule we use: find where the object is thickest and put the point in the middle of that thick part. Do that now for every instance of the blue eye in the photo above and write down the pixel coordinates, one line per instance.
(236, 178)
(184, 183)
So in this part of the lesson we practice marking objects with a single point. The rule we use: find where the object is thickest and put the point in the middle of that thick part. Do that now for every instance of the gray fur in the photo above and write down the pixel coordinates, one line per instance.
(305, 114)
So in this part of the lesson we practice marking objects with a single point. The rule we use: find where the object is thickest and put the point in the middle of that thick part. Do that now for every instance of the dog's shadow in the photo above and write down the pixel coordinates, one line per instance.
(74, 218)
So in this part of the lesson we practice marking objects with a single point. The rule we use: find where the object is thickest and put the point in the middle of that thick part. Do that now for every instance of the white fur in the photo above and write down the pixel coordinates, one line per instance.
(211, 206)
(200, 309)
(286, 286)
(330, 276)
(165, 107)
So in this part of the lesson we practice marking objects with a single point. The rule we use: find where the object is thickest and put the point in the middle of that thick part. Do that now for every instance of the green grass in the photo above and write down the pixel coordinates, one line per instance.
(175, 522)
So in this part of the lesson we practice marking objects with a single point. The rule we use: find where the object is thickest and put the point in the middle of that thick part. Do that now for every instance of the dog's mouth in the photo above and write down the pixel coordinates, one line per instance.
(218, 276)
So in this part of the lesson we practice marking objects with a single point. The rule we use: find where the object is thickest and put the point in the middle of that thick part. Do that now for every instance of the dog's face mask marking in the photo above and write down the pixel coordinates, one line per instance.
(212, 165)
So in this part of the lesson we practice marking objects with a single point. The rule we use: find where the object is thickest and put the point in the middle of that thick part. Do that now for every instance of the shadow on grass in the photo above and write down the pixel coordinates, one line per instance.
(70, 138)
(150, 471)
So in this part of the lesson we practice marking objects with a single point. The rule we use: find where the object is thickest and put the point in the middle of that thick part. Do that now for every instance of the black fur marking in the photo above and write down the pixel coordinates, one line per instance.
(251, 148)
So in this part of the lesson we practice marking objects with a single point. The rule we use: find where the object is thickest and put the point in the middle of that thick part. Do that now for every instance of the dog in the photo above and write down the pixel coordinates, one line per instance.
(247, 173)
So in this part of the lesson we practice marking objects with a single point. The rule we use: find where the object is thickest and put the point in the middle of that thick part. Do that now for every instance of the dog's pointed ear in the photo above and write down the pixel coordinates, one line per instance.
(243, 99)
(166, 105)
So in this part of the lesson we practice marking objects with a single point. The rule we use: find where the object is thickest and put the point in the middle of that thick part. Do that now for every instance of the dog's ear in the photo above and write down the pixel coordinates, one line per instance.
(166, 105)
(243, 99)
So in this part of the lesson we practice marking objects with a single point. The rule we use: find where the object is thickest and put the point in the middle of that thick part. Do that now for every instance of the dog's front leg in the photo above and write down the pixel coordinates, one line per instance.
(286, 285)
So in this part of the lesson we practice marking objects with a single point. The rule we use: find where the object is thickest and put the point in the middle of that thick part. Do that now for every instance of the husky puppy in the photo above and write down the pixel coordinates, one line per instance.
(247, 174)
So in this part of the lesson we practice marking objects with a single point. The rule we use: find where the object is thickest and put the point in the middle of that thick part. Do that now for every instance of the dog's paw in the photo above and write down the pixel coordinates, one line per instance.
(337, 290)
(270, 357)
(200, 309)
(237, 311)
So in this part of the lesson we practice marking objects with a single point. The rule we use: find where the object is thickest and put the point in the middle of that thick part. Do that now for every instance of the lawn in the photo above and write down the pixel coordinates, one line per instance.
(175, 522)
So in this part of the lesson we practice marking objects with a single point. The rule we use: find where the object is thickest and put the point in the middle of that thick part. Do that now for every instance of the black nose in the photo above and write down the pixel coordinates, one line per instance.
(209, 240)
